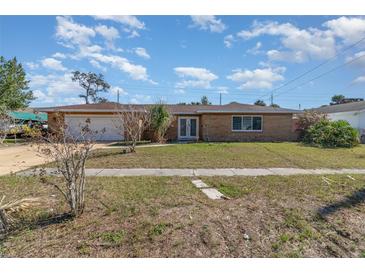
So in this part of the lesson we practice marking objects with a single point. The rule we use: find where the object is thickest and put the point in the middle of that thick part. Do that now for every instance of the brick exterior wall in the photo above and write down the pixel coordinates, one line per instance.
(276, 127)
(53, 124)
(218, 127)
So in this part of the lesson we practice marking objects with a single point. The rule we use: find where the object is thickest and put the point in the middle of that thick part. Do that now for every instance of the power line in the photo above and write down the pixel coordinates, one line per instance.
(316, 67)
(323, 74)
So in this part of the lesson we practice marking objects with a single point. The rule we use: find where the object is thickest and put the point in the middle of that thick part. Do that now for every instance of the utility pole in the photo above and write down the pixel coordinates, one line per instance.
(220, 98)
(272, 98)
(118, 95)
(300, 106)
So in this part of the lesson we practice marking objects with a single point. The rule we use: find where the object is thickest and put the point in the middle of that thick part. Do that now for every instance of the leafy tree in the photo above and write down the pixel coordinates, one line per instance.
(204, 101)
(274, 105)
(337, 99)
(92, 84)
(161, 119)
(260, 103)
(14, 89)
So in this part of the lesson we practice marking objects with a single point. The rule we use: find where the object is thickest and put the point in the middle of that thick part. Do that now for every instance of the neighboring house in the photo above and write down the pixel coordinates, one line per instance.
(231, 122)
(354, 113)
(22, 117)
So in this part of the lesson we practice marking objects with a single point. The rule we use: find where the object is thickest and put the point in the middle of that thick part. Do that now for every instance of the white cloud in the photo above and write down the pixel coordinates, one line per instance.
(140, 99)
(293, 56)
(194, 77)
(179, 91)
(109, 33)
(359, 80)
(73, 101)
(54, 85)
(41, 96)
(97, 65)
(59, 55)
(32, 65)
(131, 23)
(142, 52)
(115, 89)
(136, 72)
(350, 29)
(55, 89)
(133, 34)
(308, 43)
(256, 49)
(228, 41)
(258, 78)
(358, 59)
(52, 63)
(79, 37)
(128, 20)
(208, 22)
(223, 90)
(72, 34)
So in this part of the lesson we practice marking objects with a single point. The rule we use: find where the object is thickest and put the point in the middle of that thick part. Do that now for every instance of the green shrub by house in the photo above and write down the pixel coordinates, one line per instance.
(331, 134)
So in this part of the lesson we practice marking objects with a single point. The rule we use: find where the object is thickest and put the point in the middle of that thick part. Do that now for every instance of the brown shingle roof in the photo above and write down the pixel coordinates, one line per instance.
(175, 109)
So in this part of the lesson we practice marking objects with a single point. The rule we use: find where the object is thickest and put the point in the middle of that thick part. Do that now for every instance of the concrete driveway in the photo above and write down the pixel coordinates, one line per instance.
(16, 158)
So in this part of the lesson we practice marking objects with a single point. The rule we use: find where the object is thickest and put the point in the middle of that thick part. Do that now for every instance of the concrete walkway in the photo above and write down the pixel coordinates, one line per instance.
(204, 172)
(138, 146)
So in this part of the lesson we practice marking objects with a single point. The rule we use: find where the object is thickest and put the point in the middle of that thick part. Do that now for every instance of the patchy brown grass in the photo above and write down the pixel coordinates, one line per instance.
(230, 155)
(168, 217)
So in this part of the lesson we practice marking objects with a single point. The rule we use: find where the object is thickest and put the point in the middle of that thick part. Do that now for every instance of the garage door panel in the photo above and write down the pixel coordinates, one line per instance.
(106, 127)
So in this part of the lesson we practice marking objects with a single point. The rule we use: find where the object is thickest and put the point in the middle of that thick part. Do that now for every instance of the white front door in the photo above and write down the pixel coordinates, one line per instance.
(188, 128)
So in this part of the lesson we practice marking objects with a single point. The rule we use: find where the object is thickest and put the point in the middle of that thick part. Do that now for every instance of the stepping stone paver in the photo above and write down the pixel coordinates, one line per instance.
(199, 184)
(212, 193)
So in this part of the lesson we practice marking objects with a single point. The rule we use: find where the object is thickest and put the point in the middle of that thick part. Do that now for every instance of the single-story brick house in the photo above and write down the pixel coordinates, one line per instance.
(230, 122)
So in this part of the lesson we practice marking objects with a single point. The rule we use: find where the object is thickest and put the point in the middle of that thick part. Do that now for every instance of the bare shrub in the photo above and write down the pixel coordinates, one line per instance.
(69, 154)
(6, 122)
(131, 124)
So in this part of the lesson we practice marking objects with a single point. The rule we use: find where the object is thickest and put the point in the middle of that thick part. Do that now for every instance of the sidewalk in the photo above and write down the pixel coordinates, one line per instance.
(203, 172)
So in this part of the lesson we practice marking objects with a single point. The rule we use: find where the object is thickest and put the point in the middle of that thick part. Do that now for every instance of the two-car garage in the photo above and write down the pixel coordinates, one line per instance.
(107, 127)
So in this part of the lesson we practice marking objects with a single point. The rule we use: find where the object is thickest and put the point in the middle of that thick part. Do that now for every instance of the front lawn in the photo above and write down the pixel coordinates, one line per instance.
(230, 155)
(273, 216)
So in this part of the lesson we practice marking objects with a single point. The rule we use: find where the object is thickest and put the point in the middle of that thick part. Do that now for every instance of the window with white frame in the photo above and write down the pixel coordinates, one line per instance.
(246, 123)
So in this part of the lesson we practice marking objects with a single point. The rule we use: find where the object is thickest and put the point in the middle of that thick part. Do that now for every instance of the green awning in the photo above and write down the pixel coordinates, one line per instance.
(26, 116)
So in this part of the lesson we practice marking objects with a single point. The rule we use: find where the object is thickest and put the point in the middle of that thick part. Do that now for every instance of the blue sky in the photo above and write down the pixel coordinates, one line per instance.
(181, 58)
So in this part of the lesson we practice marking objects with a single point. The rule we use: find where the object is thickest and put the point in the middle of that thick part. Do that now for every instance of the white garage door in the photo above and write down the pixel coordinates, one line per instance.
(104, 125)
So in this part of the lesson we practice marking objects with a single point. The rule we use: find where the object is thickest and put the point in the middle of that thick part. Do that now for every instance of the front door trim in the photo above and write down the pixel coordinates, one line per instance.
(197, 128)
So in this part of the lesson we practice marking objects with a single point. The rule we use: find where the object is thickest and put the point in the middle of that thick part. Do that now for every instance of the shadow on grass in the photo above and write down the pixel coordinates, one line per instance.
(350, 201)
(40, 222)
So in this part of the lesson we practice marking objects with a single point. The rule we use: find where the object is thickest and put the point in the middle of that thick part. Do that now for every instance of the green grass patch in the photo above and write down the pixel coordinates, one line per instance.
(230, 155)
(112, 237)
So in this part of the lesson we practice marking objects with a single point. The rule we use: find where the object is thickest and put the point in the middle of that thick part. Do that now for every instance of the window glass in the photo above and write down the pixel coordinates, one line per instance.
(256, 124)
(192, 127)
(237, 122)
(247, 123)
(182, 127)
